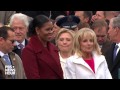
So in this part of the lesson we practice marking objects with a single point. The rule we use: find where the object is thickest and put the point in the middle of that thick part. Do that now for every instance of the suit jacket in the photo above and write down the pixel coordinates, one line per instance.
(17, 63)
(41, 62)
(105, 47)
(113, 66)
(18, 51)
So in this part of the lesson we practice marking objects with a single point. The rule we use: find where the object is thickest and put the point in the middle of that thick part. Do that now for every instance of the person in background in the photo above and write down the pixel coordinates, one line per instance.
(99, 15)
(84, 16)
(106, 15)
(70, 22)
(19, 22)
(100, 28)
(40, 57)
(83, 25)
(50, 14)
(113, 54)
(9, 58)
(111, 14)
(87, 62)
(56, 28)
(64, 42)
(5, 16)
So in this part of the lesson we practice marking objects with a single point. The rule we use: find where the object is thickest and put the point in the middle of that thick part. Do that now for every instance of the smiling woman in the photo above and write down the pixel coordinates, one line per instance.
(40, 57)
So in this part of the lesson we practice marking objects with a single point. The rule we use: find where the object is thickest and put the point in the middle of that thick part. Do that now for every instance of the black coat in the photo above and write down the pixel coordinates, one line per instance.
(18, 51)
(113, 66)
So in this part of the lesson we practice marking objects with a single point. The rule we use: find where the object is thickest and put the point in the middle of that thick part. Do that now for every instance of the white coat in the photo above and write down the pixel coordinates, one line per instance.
(77, 68)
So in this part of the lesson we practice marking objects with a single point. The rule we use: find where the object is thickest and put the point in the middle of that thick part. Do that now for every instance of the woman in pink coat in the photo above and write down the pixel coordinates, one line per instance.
(40, 57)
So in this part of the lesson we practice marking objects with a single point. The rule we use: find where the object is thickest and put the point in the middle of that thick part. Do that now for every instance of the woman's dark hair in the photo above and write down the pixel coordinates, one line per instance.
(38, 21)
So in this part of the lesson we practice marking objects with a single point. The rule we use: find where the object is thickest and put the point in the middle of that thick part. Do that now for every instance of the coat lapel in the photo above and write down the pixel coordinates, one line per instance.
(47, 55)
(117, 60)
(97, 61)
(3, 62)
(79, 60)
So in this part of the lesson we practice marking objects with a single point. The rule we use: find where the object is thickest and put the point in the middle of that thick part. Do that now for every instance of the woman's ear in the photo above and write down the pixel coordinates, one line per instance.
(37, 30)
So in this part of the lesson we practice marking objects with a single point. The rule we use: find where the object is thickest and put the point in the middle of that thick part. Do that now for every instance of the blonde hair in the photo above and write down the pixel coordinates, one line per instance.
(80, 35)
(64, 30)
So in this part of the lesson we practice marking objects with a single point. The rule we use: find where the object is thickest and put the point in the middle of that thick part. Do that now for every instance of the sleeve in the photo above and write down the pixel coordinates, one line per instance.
(70, 69)
(107, 72)
(30, 64)
(22, 74)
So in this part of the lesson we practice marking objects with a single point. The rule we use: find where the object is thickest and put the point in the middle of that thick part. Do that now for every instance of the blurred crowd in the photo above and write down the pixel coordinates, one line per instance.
(60, 44)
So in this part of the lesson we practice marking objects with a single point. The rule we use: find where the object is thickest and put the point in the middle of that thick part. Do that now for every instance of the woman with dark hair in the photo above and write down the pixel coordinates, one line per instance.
(40, 57)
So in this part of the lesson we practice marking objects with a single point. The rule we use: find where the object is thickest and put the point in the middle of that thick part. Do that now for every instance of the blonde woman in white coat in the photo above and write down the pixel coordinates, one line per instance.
(87, 63)
(64, 42)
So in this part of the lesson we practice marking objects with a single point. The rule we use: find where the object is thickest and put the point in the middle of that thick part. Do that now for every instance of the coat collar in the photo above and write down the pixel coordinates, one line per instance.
(98, 59)
(26, 42)
(43, 54)
(12, 58)
(38, 47)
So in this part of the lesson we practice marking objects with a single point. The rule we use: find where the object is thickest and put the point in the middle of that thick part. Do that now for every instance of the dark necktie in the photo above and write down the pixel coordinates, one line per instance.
(115, 52)
(6, 57)
(21, 46)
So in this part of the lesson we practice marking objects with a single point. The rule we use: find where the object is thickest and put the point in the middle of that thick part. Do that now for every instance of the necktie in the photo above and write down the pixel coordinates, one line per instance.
(21, 46)
(115, 52)
(6, 57)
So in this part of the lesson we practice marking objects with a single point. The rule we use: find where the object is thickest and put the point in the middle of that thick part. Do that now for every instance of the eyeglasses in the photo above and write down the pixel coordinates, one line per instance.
(12, 41)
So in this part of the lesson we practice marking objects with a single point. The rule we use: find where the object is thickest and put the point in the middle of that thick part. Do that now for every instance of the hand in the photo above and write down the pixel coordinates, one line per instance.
(93, 18)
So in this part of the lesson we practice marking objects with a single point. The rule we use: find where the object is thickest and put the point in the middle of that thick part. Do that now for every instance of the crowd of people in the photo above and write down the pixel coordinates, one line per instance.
(60, 45)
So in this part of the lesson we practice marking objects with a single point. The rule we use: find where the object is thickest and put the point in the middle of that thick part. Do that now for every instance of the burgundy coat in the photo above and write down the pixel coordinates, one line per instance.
(40, 62)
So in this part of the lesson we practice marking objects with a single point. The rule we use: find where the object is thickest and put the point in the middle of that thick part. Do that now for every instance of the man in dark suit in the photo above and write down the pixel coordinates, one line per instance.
(18, 50)
(114, 35)
(100, 27)
(19, 22)
(11, 66)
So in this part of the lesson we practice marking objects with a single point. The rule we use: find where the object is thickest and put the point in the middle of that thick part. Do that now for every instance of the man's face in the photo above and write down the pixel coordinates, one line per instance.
(100, 15)
(8, 44)
(20, 29)
(55, 29)
(101, 34)
(80, 15)
(112, 32)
